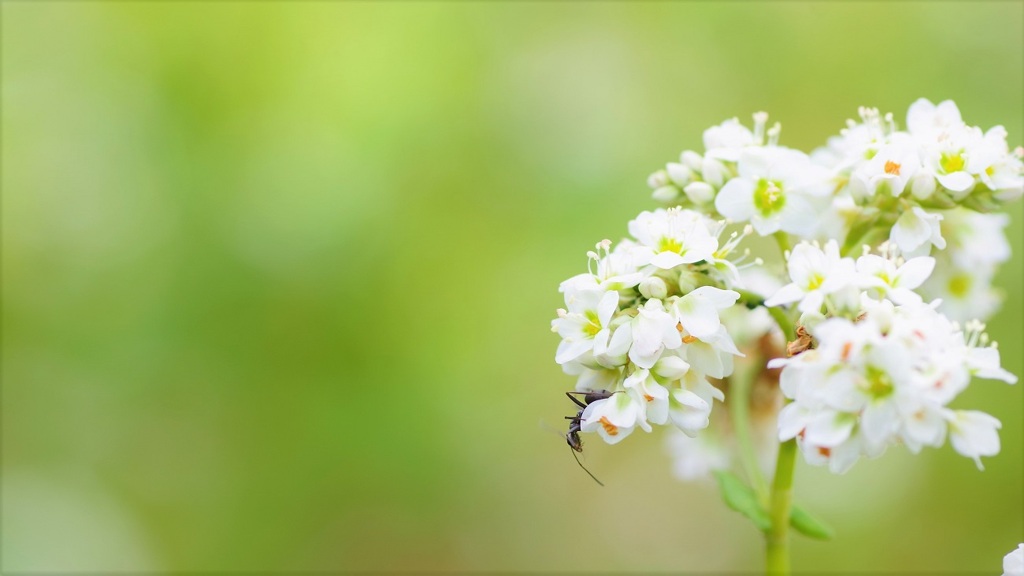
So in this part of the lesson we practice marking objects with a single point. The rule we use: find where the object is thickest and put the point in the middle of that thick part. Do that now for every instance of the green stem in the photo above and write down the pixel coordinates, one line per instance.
(777, 537)
(783, 241)
(739, 408)
(785, 324)
(751, 301)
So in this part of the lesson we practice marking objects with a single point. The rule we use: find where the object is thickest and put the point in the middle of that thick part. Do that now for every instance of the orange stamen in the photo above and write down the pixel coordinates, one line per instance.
(610, 428)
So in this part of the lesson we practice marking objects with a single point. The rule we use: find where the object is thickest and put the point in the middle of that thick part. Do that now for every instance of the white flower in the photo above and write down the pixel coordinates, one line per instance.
(727, 140)
(673, 237)
(614, 418)
(591, 379)
(774, 191)
(966, 293)
(1013, 563)
(611, 346)
(976, 239)
(653, 331)
(695, 458)
(671, 367)
(589, 314)
(945, 143)
(697, 311)
(992, 162)
(616, 269)
(916, 229)
(926, 120)
(895, 282)
(815, 273)
(973, 434)
(654, 395)
(690, 406)
(890, 169)
(859, 140)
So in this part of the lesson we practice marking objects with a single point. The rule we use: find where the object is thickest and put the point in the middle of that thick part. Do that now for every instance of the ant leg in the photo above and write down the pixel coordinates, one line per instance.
(570, 396)
(585, 468)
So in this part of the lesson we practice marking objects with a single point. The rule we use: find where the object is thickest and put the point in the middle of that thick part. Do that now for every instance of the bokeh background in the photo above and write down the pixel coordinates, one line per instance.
(278, 277)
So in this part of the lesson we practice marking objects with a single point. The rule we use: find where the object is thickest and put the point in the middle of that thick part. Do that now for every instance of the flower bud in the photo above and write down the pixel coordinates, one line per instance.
(679, 174)
(713, 172)
(810, 319)
(922, 186)
(666, 194)
(671, 367)
(688, 280)
(657, 180)
(691, 160)
(699, 192)
(653, 287)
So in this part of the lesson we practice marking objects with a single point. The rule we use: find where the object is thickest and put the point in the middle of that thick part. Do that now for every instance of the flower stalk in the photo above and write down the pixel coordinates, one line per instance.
(777, 537)
(739, 405)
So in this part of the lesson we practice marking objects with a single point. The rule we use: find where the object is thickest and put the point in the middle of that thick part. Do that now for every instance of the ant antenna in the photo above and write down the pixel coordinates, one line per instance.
(584, 467)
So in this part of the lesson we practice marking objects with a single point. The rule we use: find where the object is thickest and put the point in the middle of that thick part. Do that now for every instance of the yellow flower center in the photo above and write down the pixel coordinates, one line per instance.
(952, 162)
(670, 245)
(960, 285)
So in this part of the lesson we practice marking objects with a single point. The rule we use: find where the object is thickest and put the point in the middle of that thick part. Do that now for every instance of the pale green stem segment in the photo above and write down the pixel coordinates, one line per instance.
(739, 404)
(777, 538)
(751, 300)
(782, 319)
(782, 239)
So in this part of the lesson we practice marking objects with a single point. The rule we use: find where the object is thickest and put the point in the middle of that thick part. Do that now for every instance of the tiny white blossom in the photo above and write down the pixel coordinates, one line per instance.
(696, 457)
(815, 273)
(926, 120)
(973, 434)
(890, 169)
(995, 166)
(896, 282)
(616, 269)
(697, 311)
(690, 406)
(673, 237)
(976, 238)
(589, 314)
(653, 331)
(965, 293)
(614, 418)
(917, 230)
(727, 140)
(775, 190)
(655, 396)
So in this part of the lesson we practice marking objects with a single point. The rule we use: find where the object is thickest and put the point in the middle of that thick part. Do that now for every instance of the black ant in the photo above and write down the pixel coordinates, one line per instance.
(572, 437)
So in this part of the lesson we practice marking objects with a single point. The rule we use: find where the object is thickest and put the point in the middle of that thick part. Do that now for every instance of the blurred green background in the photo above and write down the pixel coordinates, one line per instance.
(278, 277)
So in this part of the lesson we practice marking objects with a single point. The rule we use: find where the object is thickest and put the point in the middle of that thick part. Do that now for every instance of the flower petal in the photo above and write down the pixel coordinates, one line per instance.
(736, 200)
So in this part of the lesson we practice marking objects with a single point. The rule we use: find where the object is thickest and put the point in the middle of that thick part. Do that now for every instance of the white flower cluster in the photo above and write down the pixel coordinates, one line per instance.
(904, 178)
(745, 176)
(886, 378)
(965, 269)
(871, 175)
(644, 324)
(895, 248)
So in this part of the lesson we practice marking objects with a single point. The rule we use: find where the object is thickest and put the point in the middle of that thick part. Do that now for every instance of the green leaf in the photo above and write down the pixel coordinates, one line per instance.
(742, 499)
(808, 525)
